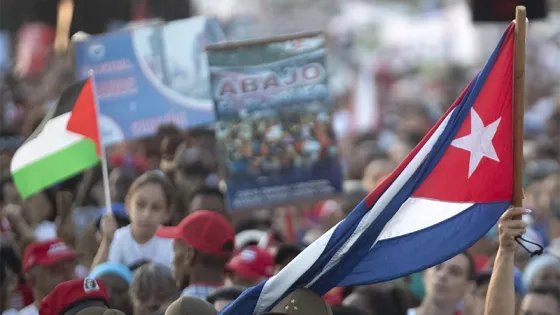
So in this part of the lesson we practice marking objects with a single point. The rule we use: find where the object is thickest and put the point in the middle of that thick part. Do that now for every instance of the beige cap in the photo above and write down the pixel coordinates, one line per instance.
(188, 305)
(301, 302)
(97, 310)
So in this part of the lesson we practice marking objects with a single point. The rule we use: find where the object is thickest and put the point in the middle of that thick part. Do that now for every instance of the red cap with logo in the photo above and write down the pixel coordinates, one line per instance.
(252, 262)
(46, 253)
(206, 231)
(70, 294)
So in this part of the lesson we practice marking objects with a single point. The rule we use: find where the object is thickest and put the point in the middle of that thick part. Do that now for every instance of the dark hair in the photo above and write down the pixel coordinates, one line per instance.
(225, 293)
(471, 272)
(553, 291)
(208, 191)
(483, 277)
(137, 264)
(286, 251)
(385, 299)
(154, 177)
(347, 310)
(352, 199)
(153, 280)
(3, 182)
(127, 175)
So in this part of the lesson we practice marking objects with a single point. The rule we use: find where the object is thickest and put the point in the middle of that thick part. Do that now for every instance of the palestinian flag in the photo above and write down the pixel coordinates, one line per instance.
(65, 143)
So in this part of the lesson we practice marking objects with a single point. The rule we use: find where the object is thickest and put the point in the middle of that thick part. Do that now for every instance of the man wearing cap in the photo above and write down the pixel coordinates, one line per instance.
(45, 265)
(203, 243)
(251, 266)
(73, 296)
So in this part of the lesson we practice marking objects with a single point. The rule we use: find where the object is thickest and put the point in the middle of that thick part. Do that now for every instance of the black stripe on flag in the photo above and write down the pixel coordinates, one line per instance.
(65, 104)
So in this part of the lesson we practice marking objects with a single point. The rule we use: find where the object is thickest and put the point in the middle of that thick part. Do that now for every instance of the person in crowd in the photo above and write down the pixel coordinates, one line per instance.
(475, 300)
(541, 300)
(446, 285)
(347, 310)
(188, 305)
(223, 296)
(500, 299)
(284, 255)
(45, 265)
(8, 192)
(148, 202)
(250, 266)
(8, 283)
(301, 301)
(376, 171)
(542, 271)
(208, 198)
(71, 297)
(117, 280)
(152, 289)
(203, 244)
(379, 299)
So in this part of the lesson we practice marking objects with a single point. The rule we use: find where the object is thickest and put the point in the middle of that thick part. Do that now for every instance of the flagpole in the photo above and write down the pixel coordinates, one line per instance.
(104, 168)
(518, 103)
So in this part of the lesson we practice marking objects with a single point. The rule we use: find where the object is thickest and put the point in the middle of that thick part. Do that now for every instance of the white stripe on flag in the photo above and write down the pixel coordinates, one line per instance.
(276, 286)
(409, 220)
(53, 138)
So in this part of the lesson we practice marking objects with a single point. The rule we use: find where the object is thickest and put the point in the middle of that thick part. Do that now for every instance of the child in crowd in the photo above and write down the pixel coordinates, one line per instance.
(148, 203)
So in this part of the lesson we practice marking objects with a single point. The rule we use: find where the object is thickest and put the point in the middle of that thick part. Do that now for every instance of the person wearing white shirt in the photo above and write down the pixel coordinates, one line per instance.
(148, 202)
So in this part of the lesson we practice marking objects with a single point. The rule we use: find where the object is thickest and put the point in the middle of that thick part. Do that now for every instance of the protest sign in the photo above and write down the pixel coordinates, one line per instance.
(273, 127)
(150, 75)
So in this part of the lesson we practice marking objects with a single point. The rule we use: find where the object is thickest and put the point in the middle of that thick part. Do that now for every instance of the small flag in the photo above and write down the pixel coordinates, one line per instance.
(65, 143)
(447, 193)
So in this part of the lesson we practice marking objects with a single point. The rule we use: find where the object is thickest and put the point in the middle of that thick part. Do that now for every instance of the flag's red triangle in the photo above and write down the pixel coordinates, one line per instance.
(491, 176)
(83, 119)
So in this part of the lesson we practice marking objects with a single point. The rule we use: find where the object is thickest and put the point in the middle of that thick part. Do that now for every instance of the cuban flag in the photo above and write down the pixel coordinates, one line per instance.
(448, 192)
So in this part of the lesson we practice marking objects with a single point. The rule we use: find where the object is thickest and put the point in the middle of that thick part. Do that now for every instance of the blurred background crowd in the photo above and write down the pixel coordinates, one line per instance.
(395, 67)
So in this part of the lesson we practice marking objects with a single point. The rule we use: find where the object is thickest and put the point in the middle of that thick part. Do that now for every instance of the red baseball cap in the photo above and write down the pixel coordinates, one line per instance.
(46, 253)
(252, 262)
(71, 293)
(206, 231)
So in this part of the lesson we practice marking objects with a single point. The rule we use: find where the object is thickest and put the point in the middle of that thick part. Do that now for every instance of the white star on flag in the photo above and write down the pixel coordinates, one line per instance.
(479, 142)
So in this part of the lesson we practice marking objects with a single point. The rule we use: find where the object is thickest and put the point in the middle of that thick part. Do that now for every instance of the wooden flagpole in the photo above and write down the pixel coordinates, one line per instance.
(518, 103)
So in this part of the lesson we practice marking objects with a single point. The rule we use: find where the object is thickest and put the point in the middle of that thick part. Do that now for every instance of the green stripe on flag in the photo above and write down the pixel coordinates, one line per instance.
(56, 167)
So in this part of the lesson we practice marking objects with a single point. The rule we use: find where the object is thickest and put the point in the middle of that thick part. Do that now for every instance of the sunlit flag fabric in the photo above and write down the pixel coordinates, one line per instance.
(447, 193)
(65, 143)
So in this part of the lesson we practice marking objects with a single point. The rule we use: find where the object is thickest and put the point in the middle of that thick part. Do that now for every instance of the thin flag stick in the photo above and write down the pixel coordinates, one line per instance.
(104, 168)
(518, 103)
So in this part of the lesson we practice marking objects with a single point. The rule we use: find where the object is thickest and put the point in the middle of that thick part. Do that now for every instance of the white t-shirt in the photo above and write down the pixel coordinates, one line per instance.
(29, 310)
(125, 250)
(411, 311)
(11, 311)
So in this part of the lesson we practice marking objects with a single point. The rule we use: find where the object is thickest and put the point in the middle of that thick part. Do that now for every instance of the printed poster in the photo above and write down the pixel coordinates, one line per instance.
(274, 123)
(150, 75)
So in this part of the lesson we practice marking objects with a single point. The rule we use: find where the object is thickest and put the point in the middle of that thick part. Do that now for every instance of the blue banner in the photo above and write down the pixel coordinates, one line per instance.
(150, 76)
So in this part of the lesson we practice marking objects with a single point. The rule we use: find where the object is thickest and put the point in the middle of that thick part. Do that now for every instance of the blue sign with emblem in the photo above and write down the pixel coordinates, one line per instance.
(149, 76)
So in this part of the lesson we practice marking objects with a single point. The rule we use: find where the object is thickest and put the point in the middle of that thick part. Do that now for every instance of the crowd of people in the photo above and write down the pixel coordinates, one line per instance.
(167, 244)
(270, 143)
